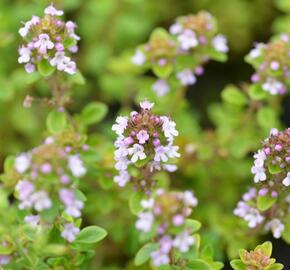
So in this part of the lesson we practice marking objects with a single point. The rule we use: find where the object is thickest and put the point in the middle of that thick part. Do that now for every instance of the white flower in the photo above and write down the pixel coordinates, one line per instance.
(276, 226)
(145, 221)
(121, 152)
(260, 157)
(161, 153)
(147, 204)
(169, 167)
(274, 132)
(160, 87)
(122, 179)
(190, 199)
(272, 86)
(159, 258)
(32, 220)
(137, 152)
(4, 259)
(146, 105)
(74, 208)
(219, 42)
(242, 209)
(24, 189)
(253, 217)
(256, 52)
(121, 124)
(70, 67)
(70, 232)
(22, 162)
(51, 10)
(138, 58)
(187, 40)
(286, 181)
(259, 173)
(59, 60)
(71, 26)
(122, 164)
(24, 53)
(40, 200)
(43, 43)
(172, 151)
(168, 127)
(76, 166)
(183, 241)
(186, 77)
(175, 28)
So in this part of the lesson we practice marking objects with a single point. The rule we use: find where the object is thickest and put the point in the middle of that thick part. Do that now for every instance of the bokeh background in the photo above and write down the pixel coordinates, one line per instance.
(109, 30)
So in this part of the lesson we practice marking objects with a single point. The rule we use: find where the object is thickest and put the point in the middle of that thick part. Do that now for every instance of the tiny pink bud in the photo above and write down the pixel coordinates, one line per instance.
(46, 168)
(255, 77)
(64, 179)
(199, 70)
(274, 65)
(178, 220)
(278, 147)
(156, 142)
(274, 194)
(162, 62)
(263, 191)
(85, 147)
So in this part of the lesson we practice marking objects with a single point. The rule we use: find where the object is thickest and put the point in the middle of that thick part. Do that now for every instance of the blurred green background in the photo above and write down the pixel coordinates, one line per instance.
(110, 29)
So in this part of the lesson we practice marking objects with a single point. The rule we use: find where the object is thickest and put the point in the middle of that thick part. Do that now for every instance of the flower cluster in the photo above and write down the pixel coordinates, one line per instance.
(269, 219)
(164, 217)
(47, 178)
(259, 258)
(191, 37)
(269, 204)
(144, 141)
(272, 162)
(271, 64)
(49, 42)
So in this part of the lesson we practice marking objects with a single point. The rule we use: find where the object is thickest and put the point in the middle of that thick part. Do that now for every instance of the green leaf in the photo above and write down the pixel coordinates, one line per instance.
(94, 113)
(193, 225)
(286, 233)
(44, 68)
(134, 202)
(267, 248)
(69, 42)
(56, 122)
(256, 92)
(91, 234)
(144, 253)
(218, 56)
(267, 117)
(274, 169)
(238, 265)
(162, 71)
(276, 266)
(234, 95)
(78, 78)
(265, 202)
(199, 264)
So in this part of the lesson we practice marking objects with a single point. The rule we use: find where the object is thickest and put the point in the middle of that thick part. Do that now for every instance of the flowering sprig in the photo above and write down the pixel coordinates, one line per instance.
(49, 43)
(272, 162)
(268, 205)
(145, 141)
(271, 65)
(257, 259)
(47, 180)
(164, 219)
(180, 54)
